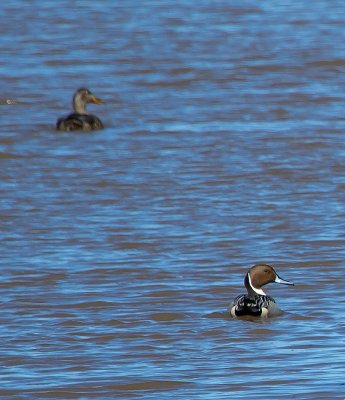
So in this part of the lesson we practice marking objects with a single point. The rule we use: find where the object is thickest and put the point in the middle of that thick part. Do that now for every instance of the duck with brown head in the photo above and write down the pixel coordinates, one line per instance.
(256, 303)
(80, 119)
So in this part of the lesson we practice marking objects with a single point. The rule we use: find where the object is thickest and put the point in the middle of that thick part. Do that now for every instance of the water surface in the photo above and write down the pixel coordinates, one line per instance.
(121, 249)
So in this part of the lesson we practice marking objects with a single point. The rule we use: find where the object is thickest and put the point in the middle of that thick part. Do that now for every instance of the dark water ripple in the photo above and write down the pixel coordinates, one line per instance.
(121, 249)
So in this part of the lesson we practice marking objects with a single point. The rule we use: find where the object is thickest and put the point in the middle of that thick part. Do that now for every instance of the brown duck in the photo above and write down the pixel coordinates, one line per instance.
(80, 119)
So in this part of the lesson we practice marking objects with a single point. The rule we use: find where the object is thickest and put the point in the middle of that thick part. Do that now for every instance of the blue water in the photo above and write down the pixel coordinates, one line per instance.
(122, 248)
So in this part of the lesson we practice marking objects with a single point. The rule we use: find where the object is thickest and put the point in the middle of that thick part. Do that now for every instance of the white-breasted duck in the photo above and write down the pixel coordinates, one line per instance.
(80, 119)
(256, 303)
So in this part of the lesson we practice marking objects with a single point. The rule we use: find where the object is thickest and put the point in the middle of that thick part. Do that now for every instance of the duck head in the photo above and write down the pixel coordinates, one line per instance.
(258, 276)
(82, 97)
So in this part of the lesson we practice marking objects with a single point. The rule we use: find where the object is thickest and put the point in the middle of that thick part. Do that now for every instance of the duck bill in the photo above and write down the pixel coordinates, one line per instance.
(282, 281)
(97, 100)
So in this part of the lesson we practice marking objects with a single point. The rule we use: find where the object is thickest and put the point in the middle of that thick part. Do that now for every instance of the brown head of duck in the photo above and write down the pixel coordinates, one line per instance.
(260, 275)
(82, 97)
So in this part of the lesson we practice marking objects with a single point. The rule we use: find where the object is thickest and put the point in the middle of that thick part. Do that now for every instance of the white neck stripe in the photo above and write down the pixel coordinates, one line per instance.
(258, 291)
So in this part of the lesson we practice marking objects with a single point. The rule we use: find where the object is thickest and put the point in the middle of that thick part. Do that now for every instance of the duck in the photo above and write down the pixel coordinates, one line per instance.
(80, 119)
(256, 303)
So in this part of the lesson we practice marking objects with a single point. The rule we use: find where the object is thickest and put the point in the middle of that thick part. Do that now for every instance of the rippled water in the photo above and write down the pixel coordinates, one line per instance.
(121, 249)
